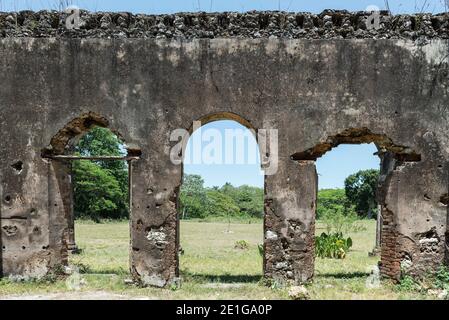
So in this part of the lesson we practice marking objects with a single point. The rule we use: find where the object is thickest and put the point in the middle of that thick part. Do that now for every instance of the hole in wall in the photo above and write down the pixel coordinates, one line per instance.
(18, 166)
(444, 199)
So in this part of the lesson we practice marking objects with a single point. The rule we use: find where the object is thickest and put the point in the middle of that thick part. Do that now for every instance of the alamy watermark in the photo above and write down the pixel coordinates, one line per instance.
(73, 20)
(211, 146)
(74, 281)
(373, 20)
(373, 280)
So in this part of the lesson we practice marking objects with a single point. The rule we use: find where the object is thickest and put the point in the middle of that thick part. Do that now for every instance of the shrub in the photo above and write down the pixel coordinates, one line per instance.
(241, 244)
(408, 283)
(332, 245)
(433, 281)
(261, 249)
(442, 278)
(340, 220)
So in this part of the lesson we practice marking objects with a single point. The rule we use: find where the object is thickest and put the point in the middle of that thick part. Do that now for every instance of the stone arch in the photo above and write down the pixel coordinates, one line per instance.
(216, 116)
(60, 194)
(224, 115)
(66, 137)
(293, 234)
(358, 136)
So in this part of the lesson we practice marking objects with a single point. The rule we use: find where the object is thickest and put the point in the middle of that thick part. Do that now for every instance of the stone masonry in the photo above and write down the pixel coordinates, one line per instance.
(321, 80)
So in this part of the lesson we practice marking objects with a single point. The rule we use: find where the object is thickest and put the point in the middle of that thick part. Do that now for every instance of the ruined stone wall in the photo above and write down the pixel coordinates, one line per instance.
(330, 24)
(317, 93)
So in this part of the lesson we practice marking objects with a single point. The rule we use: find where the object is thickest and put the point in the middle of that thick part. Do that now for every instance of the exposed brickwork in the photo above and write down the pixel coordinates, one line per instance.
(390, 265)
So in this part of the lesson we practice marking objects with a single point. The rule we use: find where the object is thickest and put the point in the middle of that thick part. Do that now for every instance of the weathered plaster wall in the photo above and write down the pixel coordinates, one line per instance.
(317, 93)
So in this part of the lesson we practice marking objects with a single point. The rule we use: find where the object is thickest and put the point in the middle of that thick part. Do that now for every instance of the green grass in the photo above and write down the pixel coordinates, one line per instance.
(211, 268)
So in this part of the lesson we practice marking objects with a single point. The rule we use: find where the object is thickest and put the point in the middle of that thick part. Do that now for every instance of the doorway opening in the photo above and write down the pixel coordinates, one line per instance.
(99, 231)
(221, 206)
(348, 219)
(91, 195)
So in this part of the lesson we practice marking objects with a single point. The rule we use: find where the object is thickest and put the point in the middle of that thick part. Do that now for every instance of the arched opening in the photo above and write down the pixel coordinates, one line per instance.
(355, 227)
(89, 181)
(220, 203)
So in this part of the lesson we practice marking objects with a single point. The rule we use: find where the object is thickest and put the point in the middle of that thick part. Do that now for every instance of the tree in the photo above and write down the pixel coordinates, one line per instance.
(360, 189)
(227, 201)
(221, 205)
(336, 211)
(330, 200)
(193, 197)
(250, 200)
(90, 177)
(97, 193)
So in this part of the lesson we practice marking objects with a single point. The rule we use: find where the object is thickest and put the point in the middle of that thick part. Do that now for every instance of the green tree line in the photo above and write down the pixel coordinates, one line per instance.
(196, 201)
(357, 198)
(101, 189)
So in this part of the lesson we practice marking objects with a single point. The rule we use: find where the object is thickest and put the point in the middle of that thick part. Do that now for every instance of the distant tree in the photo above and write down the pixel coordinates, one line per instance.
(193, 197)
(360, 189)
(100, 177)
(227, 201)
(336, 211)
(102, 142)
(99, 142)
(331, 200)
(228, 189)
(221, 205)
(250, 200)
(97, 193)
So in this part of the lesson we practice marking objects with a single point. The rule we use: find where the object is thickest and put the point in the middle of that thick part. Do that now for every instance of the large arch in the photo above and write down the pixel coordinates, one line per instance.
(196, 124)
(58, 156)
(395, 254)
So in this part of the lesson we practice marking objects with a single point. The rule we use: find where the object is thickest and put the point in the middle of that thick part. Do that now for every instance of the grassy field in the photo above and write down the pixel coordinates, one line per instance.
(211, 267)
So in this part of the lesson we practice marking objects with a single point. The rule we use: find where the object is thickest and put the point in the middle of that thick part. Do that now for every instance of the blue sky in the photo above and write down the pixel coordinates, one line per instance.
(219, 174)
(171, 6)
(332, 168)
(344, 160)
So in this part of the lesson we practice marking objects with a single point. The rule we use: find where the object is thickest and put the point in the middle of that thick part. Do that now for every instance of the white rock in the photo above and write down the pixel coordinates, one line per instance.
(270, 235)
(298, 293)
